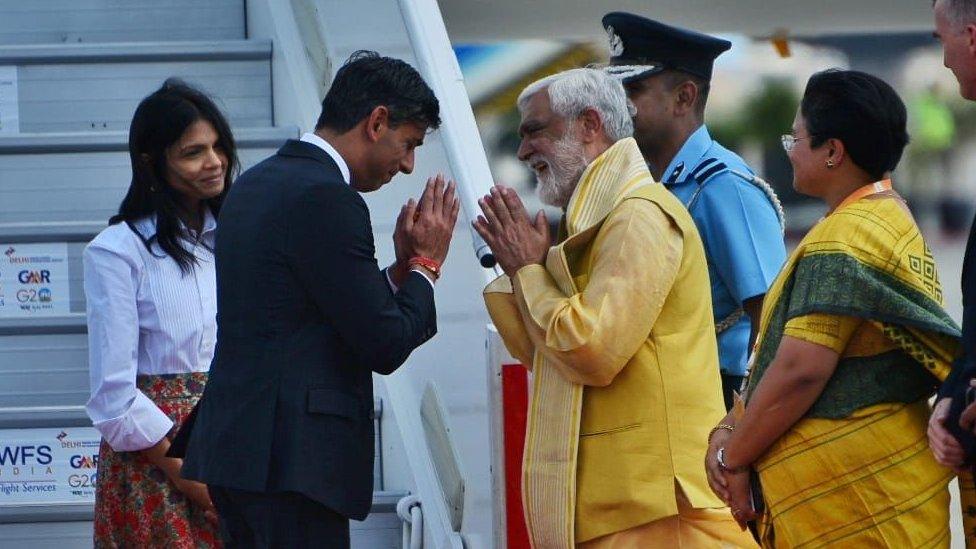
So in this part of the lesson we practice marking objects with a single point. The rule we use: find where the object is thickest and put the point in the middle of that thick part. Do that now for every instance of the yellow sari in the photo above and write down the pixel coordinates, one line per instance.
(856, 470)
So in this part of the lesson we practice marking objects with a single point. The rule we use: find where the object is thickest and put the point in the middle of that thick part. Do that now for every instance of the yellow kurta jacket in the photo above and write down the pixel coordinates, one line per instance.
(620, 316)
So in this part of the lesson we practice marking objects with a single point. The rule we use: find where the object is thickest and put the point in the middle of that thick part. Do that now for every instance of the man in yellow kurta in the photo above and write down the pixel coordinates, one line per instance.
(615, 324)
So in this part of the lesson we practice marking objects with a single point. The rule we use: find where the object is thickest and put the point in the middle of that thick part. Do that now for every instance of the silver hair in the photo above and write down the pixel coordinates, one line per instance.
(572, 92)
(960, 12)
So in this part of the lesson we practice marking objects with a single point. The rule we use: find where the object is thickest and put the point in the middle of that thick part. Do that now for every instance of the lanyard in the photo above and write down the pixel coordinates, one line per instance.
(870, 189)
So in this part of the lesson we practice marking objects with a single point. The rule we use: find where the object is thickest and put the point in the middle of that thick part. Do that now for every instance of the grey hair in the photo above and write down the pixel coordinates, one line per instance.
(960, 12)
(572, 92)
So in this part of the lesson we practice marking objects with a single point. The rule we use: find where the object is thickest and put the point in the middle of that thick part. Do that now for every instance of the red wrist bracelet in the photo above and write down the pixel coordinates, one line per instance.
(433, 266)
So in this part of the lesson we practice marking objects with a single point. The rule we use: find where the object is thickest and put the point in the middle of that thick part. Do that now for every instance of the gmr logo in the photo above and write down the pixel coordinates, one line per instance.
(34, 277)
(84, 462)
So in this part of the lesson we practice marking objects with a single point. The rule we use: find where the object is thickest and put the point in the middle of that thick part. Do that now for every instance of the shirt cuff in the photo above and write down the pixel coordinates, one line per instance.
(395, 288)
(389, 279)
(140, 427)
(427, 278)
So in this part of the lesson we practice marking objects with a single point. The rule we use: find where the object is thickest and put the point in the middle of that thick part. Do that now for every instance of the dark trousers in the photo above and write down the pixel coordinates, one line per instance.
(257, 520)
(730, 384)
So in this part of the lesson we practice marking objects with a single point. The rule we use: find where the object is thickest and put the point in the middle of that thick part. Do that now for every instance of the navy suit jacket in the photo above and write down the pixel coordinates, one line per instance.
(305, 316)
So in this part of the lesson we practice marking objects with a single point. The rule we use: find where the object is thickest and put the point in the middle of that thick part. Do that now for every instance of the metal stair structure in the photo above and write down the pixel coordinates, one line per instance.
(81, 67)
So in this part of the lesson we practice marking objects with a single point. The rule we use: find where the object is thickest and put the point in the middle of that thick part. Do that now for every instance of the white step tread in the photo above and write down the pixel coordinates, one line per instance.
(106, 141)
(135, 52)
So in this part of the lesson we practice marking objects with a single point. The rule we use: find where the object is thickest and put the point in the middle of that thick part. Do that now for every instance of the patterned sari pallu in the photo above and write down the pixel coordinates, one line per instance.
(136, 505)
(857, 471)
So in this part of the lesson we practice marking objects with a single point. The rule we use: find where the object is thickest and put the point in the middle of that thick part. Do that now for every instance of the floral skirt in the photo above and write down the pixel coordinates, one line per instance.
(135, 504)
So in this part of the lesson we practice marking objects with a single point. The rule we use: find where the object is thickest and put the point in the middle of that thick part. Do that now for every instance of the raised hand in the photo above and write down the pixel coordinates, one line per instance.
(425, 228)
(514, 239)
(402, 246)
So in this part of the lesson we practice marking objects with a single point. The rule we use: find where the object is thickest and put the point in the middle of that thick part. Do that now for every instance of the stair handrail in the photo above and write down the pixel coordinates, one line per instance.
(462, 142)
(410, 512)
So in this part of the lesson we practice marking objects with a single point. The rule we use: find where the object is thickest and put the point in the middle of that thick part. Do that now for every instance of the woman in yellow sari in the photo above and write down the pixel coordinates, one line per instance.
(853, 342)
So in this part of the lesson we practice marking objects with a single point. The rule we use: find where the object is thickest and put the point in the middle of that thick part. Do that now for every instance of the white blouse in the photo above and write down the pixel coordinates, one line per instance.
(144, 317)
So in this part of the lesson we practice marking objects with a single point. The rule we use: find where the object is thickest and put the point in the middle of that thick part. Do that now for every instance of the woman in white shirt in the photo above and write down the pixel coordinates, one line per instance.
(150, 288)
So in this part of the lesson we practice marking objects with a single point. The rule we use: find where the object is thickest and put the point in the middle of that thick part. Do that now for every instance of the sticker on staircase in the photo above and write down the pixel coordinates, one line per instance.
(34, 280)
(48, 466)
(9, 111)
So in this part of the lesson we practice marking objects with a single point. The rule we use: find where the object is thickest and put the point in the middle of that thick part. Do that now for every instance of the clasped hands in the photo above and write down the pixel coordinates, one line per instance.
(514, 238)
(425, 227)
(947, 450)
(732, 486)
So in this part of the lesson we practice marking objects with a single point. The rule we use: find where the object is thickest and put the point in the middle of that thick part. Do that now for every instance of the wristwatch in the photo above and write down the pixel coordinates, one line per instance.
(720, 457)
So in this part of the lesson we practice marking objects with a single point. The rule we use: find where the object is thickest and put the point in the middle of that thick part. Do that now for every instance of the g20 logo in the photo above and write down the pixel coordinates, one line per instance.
(28, 296)
(83, 481)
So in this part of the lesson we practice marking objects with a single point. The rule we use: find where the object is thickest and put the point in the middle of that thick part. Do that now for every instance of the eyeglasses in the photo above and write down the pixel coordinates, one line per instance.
(789, 141)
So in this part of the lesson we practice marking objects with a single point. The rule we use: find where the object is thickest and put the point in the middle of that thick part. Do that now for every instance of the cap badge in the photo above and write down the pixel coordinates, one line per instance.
(616, 44)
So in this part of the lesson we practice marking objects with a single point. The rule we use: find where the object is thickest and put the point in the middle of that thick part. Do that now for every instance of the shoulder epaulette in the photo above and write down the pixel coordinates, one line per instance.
(707, 169)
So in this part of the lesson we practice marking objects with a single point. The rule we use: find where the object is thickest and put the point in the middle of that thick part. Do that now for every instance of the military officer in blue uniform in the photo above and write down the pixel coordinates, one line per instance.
(667, 73)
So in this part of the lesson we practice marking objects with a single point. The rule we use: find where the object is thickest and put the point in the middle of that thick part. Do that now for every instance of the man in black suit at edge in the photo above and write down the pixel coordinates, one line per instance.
(955, 28)
(283, 434)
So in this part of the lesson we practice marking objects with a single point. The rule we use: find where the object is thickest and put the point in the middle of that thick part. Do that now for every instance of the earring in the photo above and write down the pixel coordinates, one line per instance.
(830, 163)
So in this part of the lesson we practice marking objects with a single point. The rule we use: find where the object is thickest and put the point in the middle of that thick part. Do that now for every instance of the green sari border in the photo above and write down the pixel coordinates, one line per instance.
(838, 283)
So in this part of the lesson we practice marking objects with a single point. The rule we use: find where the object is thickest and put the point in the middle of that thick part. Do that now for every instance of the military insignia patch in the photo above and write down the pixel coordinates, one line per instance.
(616, 44)
(676, 172)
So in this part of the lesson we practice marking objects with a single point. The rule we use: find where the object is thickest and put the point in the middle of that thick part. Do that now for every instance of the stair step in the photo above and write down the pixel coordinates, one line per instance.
(69, 526)
(115, 141)
(96, 87)
(43, 370)
(383, 502)
(136, 52)
(69, 21)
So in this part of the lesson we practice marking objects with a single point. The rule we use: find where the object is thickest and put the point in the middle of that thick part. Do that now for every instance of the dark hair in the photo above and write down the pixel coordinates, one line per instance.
(367, 81)
(159, 122)
(860, 110)
(674, 78)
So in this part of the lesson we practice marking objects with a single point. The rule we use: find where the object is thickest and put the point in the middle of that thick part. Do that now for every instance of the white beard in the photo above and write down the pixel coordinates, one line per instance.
(556, 184)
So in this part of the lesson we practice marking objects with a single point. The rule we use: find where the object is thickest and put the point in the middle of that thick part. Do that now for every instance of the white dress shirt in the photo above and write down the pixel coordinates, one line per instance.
(314, 139)
(310, 137)
(144, 317)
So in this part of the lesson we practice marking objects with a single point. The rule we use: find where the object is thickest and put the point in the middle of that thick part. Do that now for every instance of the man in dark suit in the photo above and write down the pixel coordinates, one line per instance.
(283, 435)
(955, 27)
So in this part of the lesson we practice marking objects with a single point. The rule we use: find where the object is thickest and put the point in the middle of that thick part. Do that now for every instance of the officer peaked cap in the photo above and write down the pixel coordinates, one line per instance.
(640, 47)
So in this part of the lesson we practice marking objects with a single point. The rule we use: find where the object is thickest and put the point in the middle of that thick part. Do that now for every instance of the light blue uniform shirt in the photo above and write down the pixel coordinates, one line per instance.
(739, 228)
